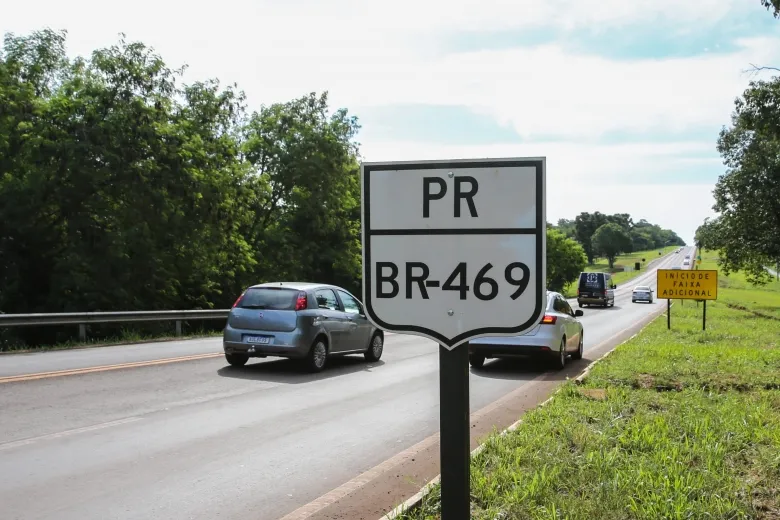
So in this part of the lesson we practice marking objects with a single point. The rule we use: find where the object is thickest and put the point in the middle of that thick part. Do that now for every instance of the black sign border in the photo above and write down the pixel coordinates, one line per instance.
(540, 230)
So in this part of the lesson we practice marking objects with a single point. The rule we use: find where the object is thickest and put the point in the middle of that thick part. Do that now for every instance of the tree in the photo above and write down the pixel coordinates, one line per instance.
(747, 196)
(641, 240)
(773, 6)
(567, 227)
(610, 240)
(565, 260)
(140, 181)
(706, 236)
(122, 188)
(305, 161)
(624, 220)
(585, 224)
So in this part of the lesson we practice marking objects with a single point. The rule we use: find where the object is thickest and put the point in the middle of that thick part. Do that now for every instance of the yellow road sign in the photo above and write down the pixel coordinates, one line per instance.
(679, 284)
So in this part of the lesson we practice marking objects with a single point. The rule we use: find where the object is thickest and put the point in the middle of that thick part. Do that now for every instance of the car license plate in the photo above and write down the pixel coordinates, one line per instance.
(257, 340)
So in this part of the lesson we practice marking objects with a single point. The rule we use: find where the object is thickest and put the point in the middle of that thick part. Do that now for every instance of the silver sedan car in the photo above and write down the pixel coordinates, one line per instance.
(559, 335)
(642, 293)
(306, 321)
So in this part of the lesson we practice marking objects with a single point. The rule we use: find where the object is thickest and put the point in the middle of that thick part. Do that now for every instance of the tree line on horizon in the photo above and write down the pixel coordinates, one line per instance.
(122, 188)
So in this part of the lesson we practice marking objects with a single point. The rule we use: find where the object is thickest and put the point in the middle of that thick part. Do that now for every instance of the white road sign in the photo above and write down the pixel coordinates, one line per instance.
(455, 250)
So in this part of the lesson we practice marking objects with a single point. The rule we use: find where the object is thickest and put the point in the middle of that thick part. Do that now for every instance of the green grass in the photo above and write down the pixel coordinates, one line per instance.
(740, 292)
(627, 260)
(125, 337)
(675, 424)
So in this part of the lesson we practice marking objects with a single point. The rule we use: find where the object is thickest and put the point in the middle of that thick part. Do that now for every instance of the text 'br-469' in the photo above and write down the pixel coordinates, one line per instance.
(455, 250)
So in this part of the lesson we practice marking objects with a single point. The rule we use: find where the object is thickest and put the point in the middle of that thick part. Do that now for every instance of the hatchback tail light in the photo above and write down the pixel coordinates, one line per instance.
(549, 319)
(238, 300)
(302, 302)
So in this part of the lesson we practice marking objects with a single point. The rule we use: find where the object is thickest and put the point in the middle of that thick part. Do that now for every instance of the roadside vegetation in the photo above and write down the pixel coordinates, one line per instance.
(745, 228)
(673, 424)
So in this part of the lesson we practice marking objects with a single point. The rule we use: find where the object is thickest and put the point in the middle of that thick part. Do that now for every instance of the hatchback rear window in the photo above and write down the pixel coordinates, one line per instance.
(269, 298)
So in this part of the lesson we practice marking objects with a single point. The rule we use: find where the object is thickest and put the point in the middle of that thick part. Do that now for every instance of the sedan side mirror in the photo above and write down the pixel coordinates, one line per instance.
(578, 313)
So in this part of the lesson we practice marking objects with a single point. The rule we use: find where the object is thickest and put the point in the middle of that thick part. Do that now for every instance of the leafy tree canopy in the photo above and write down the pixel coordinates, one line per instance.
(565, 260)
(643, 234)
(611, 239)
(747, 196)
(122, 188)
(773, 6)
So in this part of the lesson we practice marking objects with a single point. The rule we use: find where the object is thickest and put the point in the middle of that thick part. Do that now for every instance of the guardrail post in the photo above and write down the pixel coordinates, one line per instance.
(82, 332)
(178, 327)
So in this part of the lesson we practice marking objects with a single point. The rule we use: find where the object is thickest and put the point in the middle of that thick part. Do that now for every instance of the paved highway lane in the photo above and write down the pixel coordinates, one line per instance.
(200, 439)
(36, 362)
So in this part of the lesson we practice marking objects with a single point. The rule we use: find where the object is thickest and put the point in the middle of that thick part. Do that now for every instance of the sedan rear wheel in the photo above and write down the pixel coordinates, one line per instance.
(559, 361)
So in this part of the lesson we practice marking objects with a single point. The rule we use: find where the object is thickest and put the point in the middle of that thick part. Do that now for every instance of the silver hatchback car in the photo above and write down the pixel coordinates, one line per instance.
(305, 321)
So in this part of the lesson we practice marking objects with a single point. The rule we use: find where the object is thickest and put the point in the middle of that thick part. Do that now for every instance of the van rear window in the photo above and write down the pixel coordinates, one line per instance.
(591, 280)
(269, 298)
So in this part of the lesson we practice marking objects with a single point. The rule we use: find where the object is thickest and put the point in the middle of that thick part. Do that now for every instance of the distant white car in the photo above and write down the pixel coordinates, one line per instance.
(686, 262)
(642, 293)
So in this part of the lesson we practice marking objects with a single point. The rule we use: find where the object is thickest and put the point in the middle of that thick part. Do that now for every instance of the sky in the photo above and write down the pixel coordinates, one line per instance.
(624, 99)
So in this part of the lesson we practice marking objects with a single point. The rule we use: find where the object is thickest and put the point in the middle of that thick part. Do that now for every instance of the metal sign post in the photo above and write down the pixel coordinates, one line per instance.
(668, 314)
(454, 432)
(453, 251)
(704, 317)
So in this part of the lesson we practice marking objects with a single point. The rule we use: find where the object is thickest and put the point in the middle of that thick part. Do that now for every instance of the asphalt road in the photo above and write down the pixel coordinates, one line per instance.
(199, 439)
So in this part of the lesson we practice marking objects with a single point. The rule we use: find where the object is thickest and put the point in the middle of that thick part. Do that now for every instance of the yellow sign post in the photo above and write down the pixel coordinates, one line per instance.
(699, 284)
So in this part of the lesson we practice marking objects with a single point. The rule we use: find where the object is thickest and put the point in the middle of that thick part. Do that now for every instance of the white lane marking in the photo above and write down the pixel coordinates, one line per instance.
(32, 440)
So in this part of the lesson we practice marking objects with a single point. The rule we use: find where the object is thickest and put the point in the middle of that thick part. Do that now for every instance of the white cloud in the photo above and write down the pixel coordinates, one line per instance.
(370, 53)
(544, 90)
(495, 15)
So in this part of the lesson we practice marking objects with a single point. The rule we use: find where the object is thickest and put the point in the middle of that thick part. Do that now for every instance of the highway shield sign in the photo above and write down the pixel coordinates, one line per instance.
(455, 250)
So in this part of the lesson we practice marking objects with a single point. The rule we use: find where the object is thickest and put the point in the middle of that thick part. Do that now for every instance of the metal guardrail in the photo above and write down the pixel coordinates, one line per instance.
(82, 319)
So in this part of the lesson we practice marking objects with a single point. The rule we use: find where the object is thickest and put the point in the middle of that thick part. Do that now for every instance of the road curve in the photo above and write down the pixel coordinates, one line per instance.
(200, 439)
